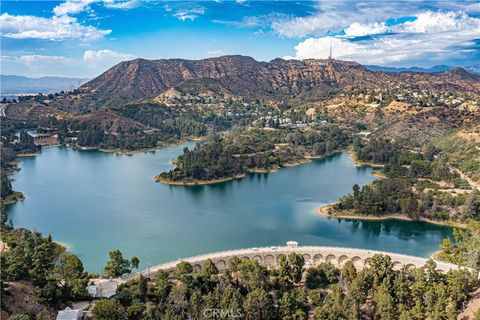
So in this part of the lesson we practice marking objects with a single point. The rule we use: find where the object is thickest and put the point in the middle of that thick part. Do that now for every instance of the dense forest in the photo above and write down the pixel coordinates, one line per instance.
(417, 183)
(225, 156)
(247, 290)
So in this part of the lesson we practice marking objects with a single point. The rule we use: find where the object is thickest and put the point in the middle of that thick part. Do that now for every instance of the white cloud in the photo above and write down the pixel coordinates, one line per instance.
(358, 29)
(55, 28)
(262, 21)
(435, 22)
(71, 7)
(432, 37)
(77, 6)
(122, 4)
(189, 14)
(36, 58)
(334, 16)
(106, 55)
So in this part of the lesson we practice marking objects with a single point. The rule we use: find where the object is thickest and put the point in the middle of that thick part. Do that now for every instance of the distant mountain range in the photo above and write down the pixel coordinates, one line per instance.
(475, 69)
(279, 79)
(11, 85)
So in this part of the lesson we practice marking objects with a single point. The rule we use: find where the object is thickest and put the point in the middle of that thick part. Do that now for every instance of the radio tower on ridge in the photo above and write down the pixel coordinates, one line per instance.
(330, 56)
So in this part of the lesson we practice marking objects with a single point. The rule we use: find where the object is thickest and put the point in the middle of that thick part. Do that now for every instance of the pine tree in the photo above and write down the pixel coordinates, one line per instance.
(384, 303)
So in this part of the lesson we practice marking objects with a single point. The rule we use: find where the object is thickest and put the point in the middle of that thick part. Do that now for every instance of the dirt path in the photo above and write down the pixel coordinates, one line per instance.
(472, 183)
(473, 306)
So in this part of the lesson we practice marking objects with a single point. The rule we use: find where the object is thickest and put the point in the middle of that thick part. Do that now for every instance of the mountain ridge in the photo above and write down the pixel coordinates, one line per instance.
(277, 79)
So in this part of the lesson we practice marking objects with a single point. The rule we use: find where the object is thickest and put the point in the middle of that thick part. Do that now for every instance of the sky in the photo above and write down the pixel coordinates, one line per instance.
(83, 38)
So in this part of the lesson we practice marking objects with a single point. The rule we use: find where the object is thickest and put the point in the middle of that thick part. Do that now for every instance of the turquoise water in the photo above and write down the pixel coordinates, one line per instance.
(95, 202)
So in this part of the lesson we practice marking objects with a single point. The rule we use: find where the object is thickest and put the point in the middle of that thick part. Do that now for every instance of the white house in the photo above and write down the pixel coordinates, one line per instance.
(70, 314)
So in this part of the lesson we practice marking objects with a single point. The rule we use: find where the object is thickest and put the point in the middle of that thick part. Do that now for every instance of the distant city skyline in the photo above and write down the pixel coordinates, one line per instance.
(83, 38)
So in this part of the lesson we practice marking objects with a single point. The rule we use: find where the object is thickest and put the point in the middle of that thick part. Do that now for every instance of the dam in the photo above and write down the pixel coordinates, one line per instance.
(269, 257)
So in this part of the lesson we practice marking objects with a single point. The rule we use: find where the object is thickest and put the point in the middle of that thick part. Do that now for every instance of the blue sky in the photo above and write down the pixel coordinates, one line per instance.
(82, 38)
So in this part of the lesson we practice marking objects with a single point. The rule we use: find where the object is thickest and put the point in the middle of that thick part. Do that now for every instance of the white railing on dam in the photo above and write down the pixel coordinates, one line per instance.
(268, 256)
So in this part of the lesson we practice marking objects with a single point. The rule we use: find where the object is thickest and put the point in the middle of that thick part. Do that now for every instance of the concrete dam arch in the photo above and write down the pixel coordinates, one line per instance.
(270, 258)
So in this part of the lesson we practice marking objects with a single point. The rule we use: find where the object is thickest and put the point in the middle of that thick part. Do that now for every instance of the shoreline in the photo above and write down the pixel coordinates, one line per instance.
(196, 182)
(13, 198)
(129, 152)
(307, 159)
(359, 163)
(324, 212)
(28, 154)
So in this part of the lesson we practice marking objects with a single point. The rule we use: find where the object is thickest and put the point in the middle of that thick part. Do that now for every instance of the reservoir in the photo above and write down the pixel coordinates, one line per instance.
(95, 202)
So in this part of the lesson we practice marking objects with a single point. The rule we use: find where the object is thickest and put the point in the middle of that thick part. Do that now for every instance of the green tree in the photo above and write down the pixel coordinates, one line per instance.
(178, 299)
(183, 268)
(322, 275)
(209, 268)
(42, 260)
(258, 305)
(384, 304)
(291, 266)
(50, 293)
(134, 262)
(250, 274)
(135, 311)
(472, 209)
(151, 312)
(437, 302)
(69, 273)
(196, 304)
(349, 272)
(418, 311)
(293, 305)
(232, 300)
(332, 309)
(117, 265)
(401, 288)
(162, 289)
(380, 270)
(460, 283)
(107, 310)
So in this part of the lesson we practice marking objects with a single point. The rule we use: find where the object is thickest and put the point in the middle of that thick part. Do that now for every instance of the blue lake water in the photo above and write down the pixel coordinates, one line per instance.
(95, 202)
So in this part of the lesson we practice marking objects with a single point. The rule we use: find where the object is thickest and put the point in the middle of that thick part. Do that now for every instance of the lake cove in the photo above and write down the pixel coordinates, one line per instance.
(95, 202)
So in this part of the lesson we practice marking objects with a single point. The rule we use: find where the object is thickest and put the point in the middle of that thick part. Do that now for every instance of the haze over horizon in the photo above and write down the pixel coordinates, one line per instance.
(83, 38)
